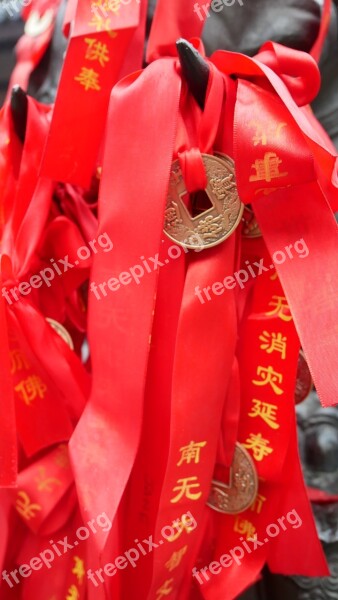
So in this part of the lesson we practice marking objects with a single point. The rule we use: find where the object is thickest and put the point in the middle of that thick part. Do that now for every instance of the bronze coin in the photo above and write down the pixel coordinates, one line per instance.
(214, 225)
(304, 383)
(240, 492)
(61, 331)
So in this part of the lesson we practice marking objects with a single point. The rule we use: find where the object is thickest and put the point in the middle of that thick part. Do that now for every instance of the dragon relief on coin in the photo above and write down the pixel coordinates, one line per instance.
(213, 225)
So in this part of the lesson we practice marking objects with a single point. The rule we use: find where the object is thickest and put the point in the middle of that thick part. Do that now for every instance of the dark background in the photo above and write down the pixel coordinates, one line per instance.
(10, 31)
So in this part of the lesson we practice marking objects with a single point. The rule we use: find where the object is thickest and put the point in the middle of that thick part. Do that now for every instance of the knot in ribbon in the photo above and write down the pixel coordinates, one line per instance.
(298, 70)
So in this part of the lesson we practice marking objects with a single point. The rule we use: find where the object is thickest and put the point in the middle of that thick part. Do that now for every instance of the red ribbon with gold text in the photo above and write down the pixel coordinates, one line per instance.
(268, 353)
(280, 159)
(202, 366)
(100, 36)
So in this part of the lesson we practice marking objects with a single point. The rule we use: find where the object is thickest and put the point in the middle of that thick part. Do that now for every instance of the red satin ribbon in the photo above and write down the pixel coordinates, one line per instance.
(202, 368)
(97, 48)
(49, 380)
(42, 486)
(135, 203)
(8, 442)
(281, 488)
(172, 22)
(320, 496)
(13, 173)
(66, 577)
(197, 132)
(144, 488)
(281, 215)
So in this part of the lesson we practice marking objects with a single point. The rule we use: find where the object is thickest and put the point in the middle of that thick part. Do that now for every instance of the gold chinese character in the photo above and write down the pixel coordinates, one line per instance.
(25, 507)
(281, 308)
(273, 342)
(97, 51)
(269, 376)
(257, 504)
(73, 593)
(184, 489)
(261, 135)
(175, 559)
(102, 24)
(89, 79)
(191, 452)
(46, 483)
(165, 589)
(78, 569)
(31, 388)
(267, 168)
(265, 131)
(258, 445)
(244, 527)
(279, 128)
(266, 411)
(18, 361)
(62, 457)
(181, 526)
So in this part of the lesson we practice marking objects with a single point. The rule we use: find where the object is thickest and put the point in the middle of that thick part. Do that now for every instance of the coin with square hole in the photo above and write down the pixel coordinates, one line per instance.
(207, 218)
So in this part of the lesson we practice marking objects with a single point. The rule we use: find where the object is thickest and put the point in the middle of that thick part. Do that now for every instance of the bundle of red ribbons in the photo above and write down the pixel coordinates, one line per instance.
(150, 334)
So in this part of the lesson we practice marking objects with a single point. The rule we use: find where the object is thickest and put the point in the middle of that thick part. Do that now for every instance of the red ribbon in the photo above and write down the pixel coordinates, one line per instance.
(281, 215)
(281, 487)
(49, 380)
(135, 203)
(172, 22)
(97, 48)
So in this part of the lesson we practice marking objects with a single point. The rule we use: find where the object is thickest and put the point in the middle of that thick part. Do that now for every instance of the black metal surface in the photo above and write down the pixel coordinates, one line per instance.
(194, 69)
(19, 108)
(10, 31)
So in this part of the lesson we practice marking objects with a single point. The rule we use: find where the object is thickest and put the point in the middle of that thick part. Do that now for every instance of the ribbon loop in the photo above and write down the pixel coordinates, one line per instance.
(298, 70)
(193, 170)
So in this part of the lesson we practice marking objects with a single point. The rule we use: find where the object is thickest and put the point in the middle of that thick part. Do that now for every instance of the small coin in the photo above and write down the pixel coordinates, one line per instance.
(250, 227)
(304, 383)
(240, 492)
(61, 331)
(214, 225)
